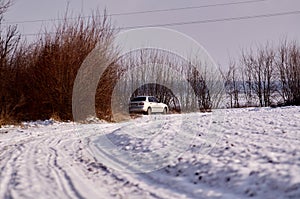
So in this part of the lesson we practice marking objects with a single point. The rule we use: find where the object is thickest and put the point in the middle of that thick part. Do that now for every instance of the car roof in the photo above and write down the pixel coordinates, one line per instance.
(144, 96)
(147, 96)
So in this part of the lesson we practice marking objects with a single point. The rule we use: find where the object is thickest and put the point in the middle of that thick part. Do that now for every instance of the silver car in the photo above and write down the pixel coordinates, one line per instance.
(147, 105)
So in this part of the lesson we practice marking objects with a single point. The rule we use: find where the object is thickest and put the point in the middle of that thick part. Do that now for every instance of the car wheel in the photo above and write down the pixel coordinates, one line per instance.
(149, 111)
(165, 111)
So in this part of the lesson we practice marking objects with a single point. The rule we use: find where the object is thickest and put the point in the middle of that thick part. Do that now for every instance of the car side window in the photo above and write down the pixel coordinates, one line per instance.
(150, 99)
(154, 99)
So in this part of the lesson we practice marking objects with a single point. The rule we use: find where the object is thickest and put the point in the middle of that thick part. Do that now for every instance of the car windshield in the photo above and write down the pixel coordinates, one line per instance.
(138, 99)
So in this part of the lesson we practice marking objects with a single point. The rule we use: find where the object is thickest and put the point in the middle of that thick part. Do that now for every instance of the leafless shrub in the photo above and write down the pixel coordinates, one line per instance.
(259, 74)
(269, 76)
(37, 79)
(9, 55)
(4, 5)
(232, 85)
(288, 66)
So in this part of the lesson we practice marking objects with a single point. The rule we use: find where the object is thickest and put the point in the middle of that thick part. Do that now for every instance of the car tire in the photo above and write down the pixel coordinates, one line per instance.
(165, 111)
(149, 111)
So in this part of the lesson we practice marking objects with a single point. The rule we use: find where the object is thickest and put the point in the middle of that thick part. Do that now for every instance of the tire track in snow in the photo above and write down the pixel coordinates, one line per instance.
(62, 177)
(36, 166)
(24, 171)
(8, 176)
(120, 186)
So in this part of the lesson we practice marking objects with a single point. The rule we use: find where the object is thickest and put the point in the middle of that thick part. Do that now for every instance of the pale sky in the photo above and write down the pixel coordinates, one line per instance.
(221, 39)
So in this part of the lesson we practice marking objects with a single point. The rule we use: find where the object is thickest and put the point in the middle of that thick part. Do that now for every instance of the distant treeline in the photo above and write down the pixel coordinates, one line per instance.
(265, 76)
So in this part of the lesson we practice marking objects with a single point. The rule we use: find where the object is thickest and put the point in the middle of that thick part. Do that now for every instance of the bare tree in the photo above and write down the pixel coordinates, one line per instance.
(9, 42)
(4, 5)
(288, 66)
(232, 84)
(259, 74)
(246, 71)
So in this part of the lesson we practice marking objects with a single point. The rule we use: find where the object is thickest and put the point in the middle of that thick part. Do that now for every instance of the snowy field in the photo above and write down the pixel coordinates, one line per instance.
(236, 153)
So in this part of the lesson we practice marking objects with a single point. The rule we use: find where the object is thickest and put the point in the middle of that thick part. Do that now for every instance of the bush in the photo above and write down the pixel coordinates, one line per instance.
(37, 79)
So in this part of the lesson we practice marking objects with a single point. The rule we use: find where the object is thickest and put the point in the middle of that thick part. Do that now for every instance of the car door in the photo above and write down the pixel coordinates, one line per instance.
(152, 104)
(150, 101)
(156, 105)
(161, 106)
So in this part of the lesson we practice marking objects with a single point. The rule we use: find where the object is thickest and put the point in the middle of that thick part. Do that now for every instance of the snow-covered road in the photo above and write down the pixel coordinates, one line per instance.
(237, 153)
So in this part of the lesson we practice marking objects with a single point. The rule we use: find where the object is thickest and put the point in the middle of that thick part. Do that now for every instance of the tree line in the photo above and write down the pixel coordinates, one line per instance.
(265, 76)
(37, 77)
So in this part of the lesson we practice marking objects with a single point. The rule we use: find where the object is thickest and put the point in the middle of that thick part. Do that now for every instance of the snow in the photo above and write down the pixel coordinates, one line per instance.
(229, 153)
